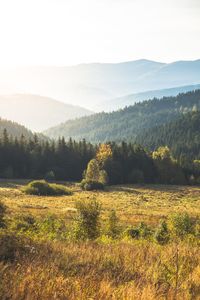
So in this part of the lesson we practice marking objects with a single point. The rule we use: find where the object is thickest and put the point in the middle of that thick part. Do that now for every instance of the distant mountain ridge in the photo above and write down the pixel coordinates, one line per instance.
(38, 113)
(128, 123)
(121, 102)
(88, 85)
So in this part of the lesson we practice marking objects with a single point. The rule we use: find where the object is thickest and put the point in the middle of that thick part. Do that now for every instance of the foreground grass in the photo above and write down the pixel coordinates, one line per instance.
(136, 270)
(106, 269)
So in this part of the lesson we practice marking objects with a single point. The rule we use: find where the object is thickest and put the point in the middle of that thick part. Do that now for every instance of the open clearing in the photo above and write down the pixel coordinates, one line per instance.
(102, 269)
(133, 203)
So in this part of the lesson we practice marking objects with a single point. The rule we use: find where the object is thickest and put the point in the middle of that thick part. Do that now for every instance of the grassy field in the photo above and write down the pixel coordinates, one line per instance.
(133, 204)
(105, 269)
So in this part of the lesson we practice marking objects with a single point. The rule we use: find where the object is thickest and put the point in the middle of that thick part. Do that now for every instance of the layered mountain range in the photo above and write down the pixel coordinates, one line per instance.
(93, 85)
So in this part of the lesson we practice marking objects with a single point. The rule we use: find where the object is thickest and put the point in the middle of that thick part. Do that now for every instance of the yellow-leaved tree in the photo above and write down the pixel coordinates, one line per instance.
(104, 154)
(93, 171)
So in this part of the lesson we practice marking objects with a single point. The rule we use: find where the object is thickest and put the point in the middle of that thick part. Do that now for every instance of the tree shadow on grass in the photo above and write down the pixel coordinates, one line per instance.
(7, 183)
(133, 189)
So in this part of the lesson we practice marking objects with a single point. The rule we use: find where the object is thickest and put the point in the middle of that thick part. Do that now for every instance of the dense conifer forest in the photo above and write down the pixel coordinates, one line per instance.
(67, 160)
(182, 136)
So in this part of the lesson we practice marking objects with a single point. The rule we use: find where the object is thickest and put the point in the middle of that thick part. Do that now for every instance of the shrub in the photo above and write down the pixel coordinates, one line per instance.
(134, 233)
(162, 234)
(144, 230)
(87, 223)
(181, 224)
(113, 228)
(43, 188)
(49, 227)
(23, 223)
(52, 227)
(2, 214)
(91, 185)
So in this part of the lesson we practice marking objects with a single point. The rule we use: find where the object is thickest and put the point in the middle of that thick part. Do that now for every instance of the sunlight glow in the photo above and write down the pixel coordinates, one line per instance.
(66, 32)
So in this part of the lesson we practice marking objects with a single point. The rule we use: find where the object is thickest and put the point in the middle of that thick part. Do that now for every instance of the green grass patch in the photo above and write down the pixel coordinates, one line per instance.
(43, 188)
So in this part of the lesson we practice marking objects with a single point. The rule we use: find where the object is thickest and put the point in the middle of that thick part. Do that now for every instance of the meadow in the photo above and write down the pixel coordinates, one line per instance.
(48, 266)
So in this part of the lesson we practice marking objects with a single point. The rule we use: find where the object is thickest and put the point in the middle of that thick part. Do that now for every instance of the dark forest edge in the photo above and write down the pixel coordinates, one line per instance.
(116, 163)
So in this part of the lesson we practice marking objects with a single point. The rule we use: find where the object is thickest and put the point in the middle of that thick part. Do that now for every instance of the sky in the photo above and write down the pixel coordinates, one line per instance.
(68, 32)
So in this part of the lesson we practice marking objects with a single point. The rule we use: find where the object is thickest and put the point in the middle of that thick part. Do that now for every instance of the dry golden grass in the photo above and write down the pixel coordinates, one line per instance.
(133, 204)
(129, 271)
(118, 270)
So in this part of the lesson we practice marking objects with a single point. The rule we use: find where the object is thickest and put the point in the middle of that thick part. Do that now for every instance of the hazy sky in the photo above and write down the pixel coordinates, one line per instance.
(62, 32)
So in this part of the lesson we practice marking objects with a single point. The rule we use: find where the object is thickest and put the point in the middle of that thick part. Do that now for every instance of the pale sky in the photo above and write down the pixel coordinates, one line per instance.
(67, 32)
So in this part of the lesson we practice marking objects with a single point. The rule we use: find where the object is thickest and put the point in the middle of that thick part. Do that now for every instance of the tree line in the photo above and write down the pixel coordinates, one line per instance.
(68, 160)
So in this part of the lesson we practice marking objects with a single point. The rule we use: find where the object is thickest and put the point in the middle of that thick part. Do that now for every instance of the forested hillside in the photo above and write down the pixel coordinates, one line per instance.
(181, 135)
(14, 129)
(130, 122)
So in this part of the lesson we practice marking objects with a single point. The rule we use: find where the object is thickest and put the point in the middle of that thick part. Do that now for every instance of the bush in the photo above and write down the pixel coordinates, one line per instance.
(43, 188)
(87, 223)
(182, 224)
(2, 214)
(52, 228)
(23, 223)
(49, 227)
(144, 230)
(162, 234)
(133, 233)
(91, 185)
(113, 229)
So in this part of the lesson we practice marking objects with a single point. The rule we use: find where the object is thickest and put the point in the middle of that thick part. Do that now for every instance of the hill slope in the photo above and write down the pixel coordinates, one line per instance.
(182, 136)
(36, 112)
(128, 123)
(14, 129)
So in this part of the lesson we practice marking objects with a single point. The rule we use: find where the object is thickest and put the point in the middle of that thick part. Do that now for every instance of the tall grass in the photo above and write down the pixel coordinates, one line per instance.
(125, 260)
(136, 270)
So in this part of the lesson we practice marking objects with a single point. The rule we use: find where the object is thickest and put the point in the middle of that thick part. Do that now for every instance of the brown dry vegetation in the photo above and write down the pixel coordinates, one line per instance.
(133, 204)
(124, 269)
(94, 271)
